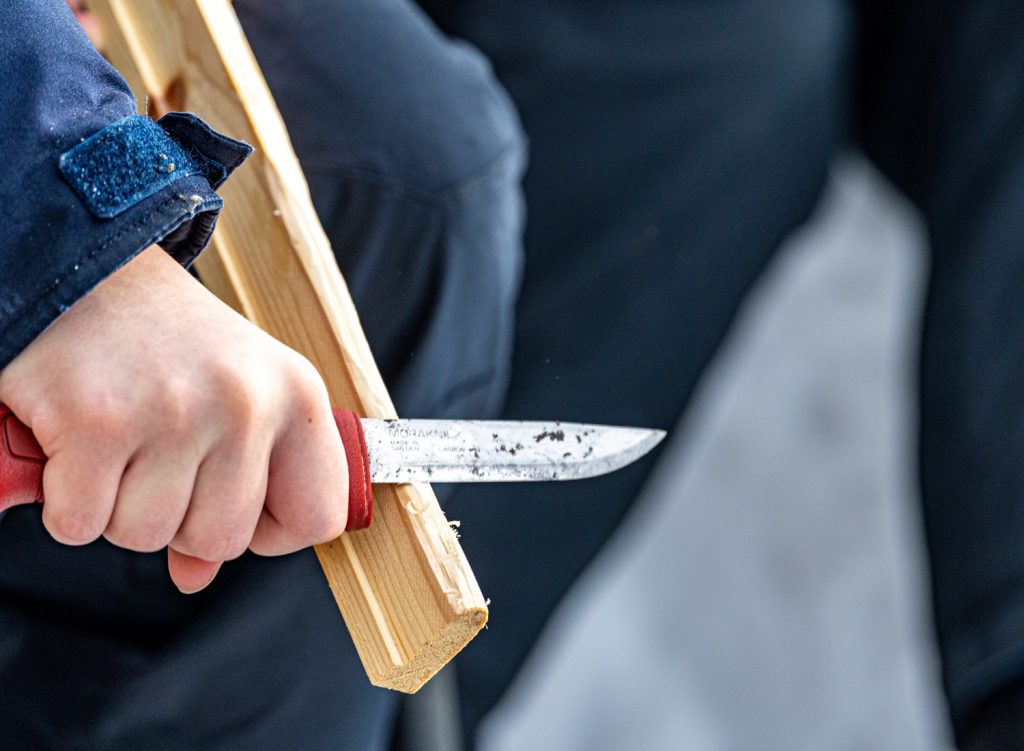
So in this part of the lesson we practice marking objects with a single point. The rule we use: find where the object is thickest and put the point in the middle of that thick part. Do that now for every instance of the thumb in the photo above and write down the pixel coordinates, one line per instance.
(190, 574)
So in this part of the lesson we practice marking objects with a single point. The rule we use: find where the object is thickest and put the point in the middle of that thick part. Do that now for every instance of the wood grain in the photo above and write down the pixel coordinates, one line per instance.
(404, 587)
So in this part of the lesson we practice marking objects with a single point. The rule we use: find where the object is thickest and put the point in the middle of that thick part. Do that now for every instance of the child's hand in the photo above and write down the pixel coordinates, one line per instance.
(170, 421)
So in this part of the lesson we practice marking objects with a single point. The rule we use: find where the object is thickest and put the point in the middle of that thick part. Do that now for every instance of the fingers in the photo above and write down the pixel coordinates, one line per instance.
(307, 492)
(190, 574)
(159, 500)
(153, 496)
(162, 412)
(227, 499)
(80, 487)
(274, 491)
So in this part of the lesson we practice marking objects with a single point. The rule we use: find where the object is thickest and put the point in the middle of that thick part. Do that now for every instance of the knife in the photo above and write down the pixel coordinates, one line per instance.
(402, 451)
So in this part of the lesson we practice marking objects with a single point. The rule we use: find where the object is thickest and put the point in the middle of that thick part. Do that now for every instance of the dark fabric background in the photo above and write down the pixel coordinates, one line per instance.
(672, 146)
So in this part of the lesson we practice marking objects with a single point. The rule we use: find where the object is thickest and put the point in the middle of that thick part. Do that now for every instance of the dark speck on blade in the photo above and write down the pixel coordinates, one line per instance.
(551, 435)
(579, 439)
(590, 451)
(566, 455)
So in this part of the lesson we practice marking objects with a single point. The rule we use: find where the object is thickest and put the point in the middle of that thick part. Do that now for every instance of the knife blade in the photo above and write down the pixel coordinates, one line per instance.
(403, 451)
(499, 451)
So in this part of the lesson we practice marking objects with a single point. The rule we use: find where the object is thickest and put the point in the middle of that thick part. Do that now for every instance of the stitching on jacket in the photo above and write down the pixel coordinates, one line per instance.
(161, 231)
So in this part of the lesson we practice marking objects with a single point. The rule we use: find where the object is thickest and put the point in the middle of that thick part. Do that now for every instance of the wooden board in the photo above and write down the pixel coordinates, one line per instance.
(404, 587)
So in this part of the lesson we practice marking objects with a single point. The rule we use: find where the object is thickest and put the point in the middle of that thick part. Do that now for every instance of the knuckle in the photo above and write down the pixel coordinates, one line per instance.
(221, 547)
(48, 425)
(228, 375)
(327, 522)
(73, 527)
(232, 546)
(221, 543)
(191, 540)
(306, 384)
(178, 407)
(240, 397)
(333, 529)
(141, 538)
(102, 415)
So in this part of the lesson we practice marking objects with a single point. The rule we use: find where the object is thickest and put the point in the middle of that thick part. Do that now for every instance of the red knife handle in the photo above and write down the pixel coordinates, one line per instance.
(22, 461)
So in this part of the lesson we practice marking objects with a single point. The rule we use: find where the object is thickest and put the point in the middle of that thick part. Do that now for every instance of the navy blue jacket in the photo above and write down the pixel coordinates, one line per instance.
(83, 184)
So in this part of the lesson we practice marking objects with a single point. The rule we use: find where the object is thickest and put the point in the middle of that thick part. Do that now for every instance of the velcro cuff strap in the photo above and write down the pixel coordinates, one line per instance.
(135, 158)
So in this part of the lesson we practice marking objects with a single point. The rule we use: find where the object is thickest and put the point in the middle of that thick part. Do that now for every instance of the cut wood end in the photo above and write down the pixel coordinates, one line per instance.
(403, 634)
(411, 677)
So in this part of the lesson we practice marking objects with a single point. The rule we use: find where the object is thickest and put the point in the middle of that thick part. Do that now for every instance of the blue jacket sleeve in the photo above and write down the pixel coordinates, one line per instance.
(85, 183)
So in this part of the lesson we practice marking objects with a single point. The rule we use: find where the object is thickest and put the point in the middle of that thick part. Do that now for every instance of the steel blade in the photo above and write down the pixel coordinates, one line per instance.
(499, 451)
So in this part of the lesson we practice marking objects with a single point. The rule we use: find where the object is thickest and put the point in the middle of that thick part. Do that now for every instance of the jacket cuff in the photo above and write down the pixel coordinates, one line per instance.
(134, 159)
(133, 200)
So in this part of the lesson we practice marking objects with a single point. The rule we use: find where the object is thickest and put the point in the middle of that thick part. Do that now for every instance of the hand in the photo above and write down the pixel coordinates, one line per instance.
(171, 421)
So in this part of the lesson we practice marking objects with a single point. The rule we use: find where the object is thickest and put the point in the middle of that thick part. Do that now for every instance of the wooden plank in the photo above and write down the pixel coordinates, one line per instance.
(404, 587)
